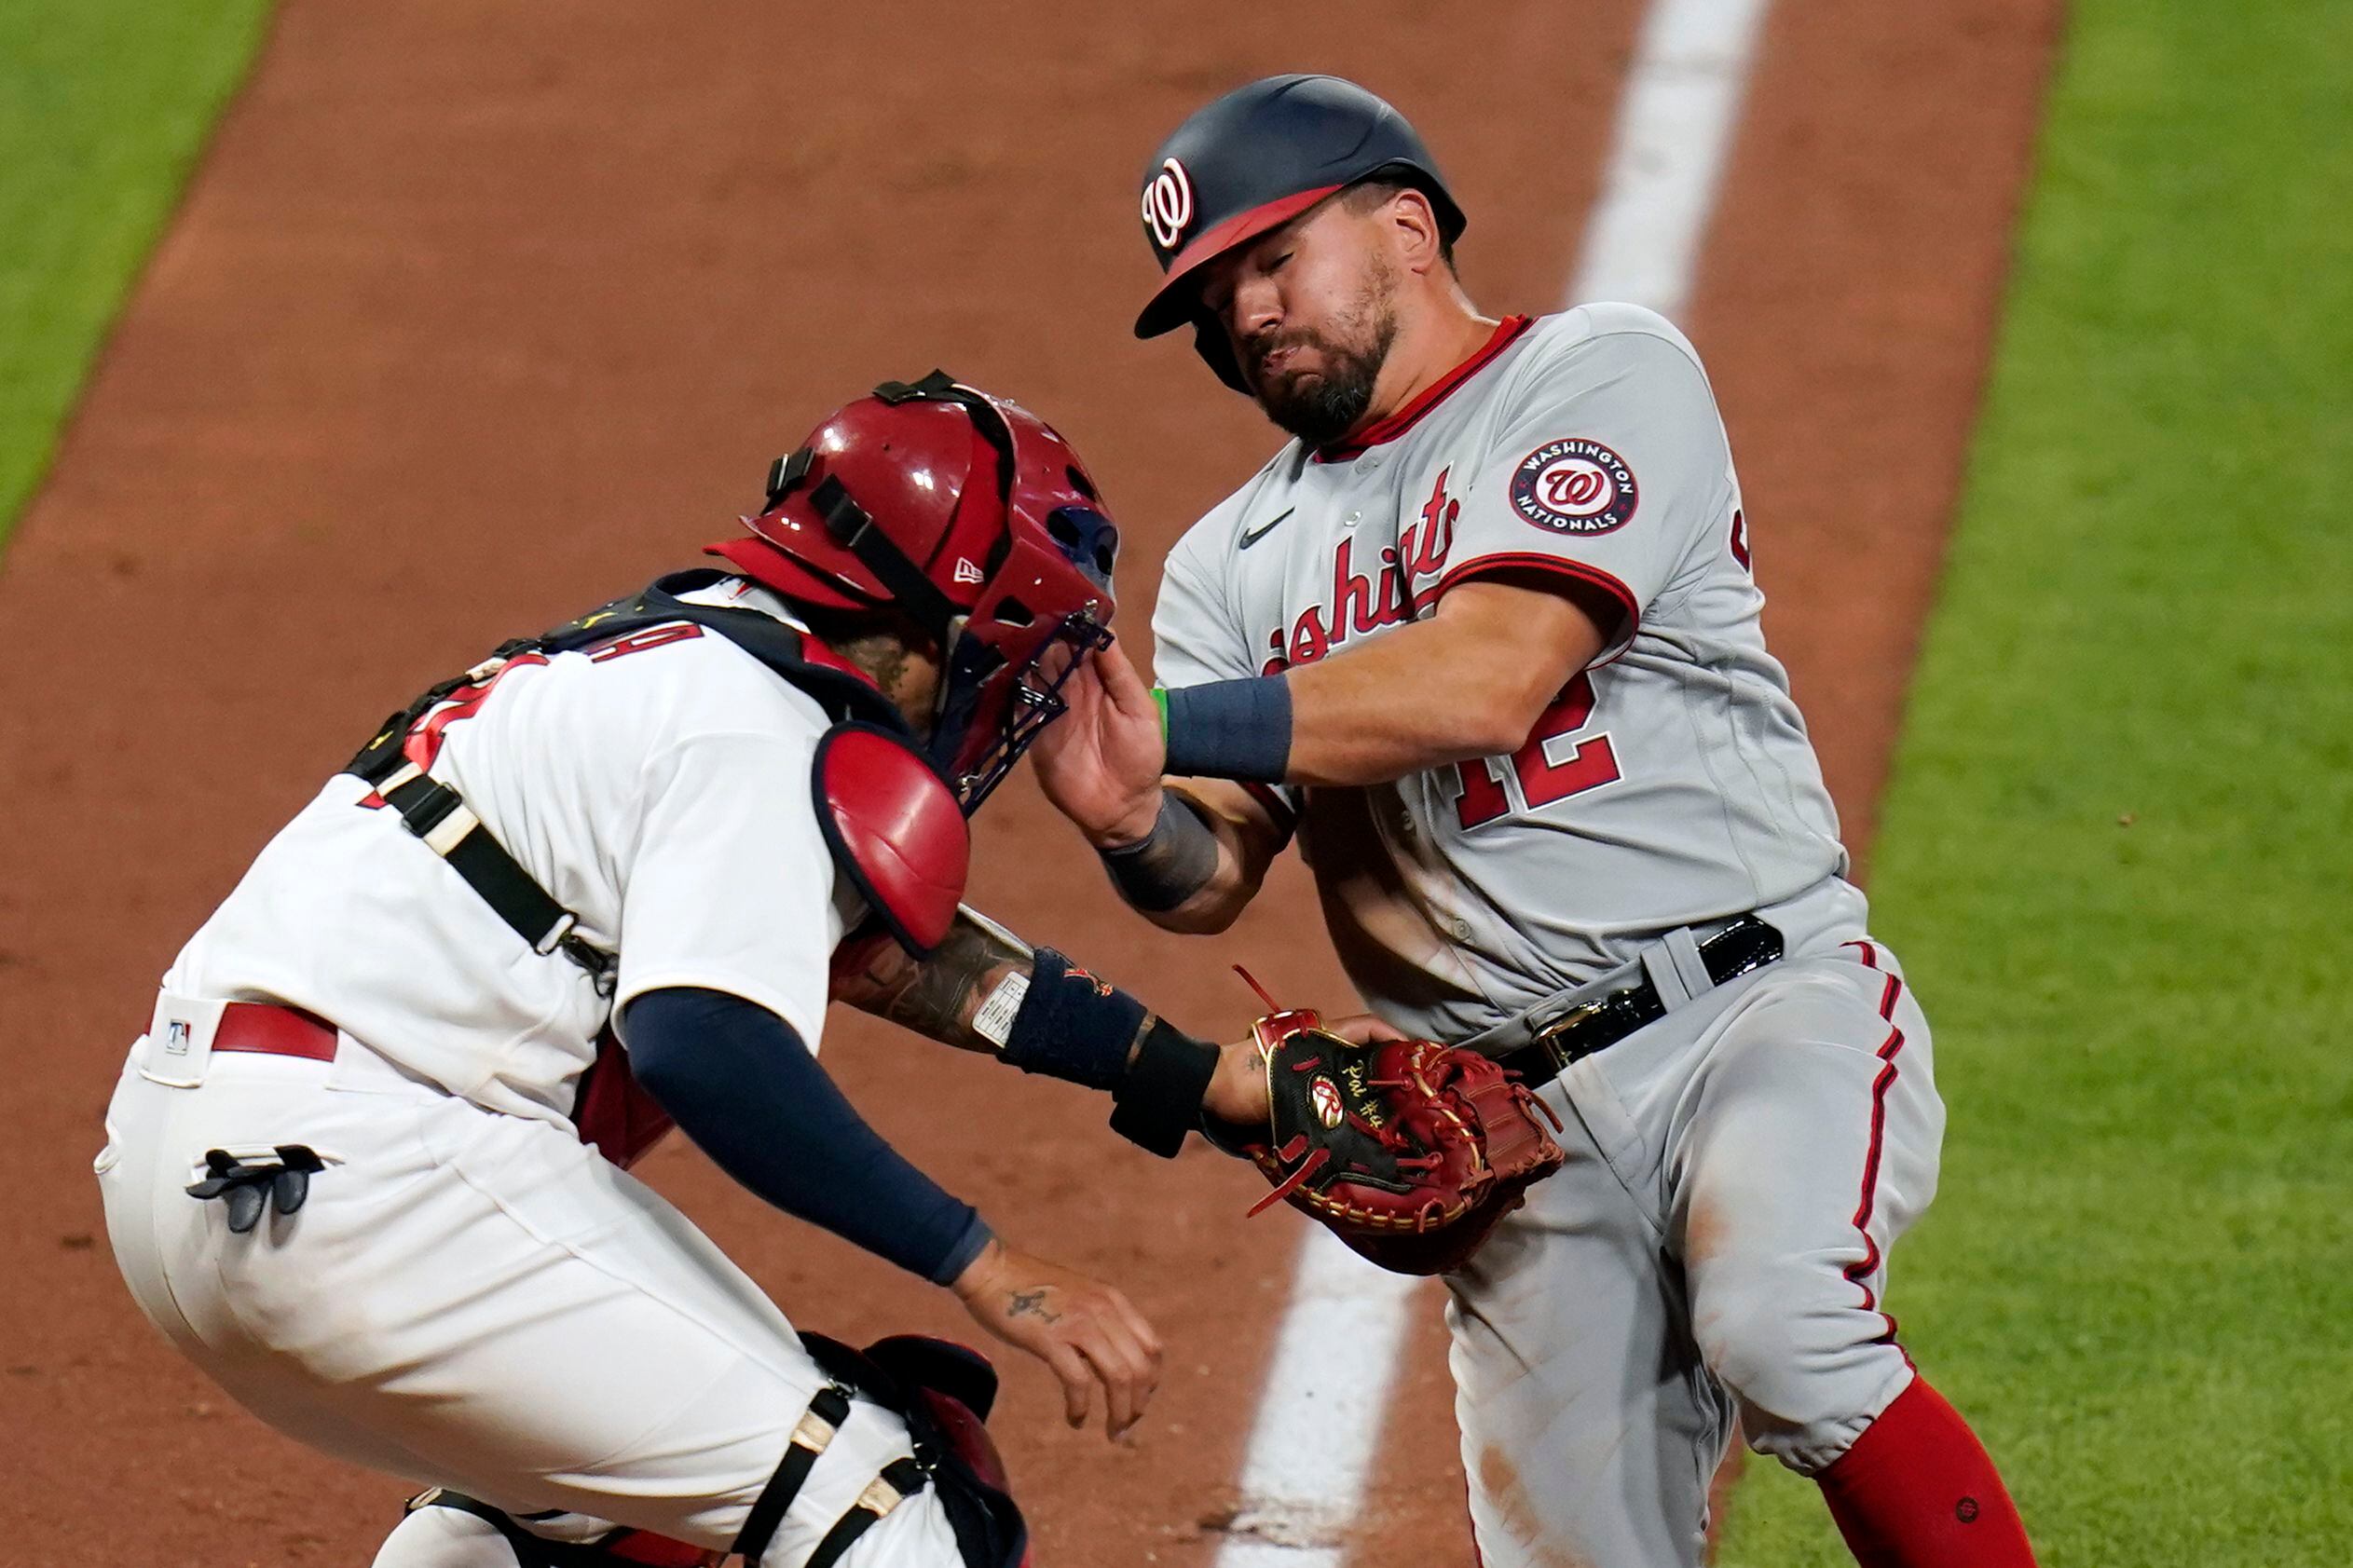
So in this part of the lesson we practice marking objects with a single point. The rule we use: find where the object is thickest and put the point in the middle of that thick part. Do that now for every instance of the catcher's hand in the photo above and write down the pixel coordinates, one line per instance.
(1406, 1150)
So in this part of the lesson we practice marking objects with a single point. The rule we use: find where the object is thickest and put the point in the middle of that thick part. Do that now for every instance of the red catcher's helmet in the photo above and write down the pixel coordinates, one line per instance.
(973, 519)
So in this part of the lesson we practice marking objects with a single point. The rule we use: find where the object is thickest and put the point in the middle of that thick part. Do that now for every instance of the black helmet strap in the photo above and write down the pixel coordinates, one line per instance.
(853, 526)
(910, 591)
(940, 386)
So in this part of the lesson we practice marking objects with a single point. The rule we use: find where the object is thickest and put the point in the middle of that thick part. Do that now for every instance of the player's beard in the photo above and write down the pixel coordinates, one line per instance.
(1322, 405)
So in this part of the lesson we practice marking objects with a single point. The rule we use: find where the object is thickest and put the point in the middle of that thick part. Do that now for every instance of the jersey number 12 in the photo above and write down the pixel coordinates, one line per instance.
(1588, 765)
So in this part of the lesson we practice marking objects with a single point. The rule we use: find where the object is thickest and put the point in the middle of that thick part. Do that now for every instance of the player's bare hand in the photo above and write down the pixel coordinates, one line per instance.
(1086, 1332)
(1237, 1093)
(1362, 1028)
(1100, 762)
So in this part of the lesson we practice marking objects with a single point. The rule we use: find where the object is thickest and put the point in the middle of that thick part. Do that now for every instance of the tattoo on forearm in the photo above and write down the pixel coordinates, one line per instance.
(939, 997)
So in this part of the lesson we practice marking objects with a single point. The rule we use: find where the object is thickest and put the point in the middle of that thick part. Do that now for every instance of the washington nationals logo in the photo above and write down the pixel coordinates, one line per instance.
(1168, 204)
(1574, 486)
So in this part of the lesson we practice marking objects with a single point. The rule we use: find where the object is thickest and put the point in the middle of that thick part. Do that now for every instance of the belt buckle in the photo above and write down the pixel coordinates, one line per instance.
(1549, 1037)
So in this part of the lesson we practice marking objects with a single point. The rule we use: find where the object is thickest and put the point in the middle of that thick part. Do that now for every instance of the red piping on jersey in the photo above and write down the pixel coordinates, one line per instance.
(1507, 332)
(1531, 561)
(1860, 1273)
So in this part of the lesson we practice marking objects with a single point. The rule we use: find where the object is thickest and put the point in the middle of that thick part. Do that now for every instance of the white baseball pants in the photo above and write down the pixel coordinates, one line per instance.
(481, 1302)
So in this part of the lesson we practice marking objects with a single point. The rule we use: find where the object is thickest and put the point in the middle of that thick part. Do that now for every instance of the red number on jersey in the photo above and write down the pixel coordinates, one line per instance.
(1739, 540)
(1590, 763)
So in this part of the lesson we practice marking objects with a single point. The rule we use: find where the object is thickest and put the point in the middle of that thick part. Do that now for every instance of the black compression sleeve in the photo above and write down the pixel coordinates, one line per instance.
(740, 1084)
(1169, 863)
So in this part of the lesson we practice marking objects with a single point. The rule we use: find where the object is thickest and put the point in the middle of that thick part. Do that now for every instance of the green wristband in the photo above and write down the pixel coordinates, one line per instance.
(1160, 700)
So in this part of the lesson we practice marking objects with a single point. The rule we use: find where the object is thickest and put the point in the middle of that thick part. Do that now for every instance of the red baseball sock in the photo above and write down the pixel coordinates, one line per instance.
(1919, 1490)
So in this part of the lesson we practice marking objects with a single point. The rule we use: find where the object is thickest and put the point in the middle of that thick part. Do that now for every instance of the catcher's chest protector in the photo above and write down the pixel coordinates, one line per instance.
(893, 827)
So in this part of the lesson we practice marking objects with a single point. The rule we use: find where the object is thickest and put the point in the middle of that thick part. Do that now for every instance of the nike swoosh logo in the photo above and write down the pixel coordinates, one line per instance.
(1251, 535)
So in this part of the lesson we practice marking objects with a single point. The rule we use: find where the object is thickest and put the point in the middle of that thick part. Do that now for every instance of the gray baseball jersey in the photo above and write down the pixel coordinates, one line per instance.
(1669, 783)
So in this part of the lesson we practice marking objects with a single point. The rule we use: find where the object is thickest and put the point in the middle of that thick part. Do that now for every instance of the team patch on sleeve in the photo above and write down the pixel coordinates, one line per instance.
(1574, 486)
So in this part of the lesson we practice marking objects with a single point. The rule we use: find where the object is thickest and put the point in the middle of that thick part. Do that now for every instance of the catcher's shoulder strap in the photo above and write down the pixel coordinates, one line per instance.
(434, 813)
(783, 649)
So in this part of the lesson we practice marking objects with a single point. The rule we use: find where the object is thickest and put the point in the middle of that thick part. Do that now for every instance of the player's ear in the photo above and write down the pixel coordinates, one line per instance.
(1414, 229)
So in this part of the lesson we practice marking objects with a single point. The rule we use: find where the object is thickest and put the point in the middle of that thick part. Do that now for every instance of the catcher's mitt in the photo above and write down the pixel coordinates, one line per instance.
(1407, 1150)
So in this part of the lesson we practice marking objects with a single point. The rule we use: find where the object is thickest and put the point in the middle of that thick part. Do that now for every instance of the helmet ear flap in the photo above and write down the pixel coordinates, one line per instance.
(1210, 341)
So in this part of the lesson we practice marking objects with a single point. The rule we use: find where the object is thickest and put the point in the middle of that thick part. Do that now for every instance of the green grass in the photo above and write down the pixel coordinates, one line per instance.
(105, 105)
(2115, 851)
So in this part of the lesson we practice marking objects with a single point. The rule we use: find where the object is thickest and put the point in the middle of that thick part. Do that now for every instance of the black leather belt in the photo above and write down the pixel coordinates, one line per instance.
(1602, 1021)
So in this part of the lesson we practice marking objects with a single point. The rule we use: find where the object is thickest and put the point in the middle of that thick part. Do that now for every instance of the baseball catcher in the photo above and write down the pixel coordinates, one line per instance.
(365, 1167)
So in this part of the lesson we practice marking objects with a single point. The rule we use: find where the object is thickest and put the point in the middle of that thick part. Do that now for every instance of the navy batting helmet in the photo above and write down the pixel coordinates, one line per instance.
(1255, 159)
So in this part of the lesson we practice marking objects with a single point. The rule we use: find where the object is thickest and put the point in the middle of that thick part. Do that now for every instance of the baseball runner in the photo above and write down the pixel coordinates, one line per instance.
(1484, 639)
(364, 1166)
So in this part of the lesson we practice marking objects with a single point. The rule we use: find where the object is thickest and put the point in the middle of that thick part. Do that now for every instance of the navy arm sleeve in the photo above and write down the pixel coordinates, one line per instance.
(738, 1081)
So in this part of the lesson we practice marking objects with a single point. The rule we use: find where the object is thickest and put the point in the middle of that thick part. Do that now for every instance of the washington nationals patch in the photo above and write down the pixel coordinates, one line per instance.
(1574, 486)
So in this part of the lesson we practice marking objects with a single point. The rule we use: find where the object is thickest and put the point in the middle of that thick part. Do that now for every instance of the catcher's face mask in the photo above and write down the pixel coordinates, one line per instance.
(993, 707)
(1045, 603)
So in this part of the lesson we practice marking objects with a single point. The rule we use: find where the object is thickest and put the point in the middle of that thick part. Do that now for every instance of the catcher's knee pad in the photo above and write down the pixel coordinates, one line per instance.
(431, 1537)
(446, 1529)
(943, 1392)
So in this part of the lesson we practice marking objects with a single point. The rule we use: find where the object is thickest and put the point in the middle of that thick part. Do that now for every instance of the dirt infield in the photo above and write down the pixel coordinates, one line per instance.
(480, 314)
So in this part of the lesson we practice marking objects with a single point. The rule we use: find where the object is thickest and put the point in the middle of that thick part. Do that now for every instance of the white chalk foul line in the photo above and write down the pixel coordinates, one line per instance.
(1336, 1354)
(1320, 1420)
(1674, 133)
